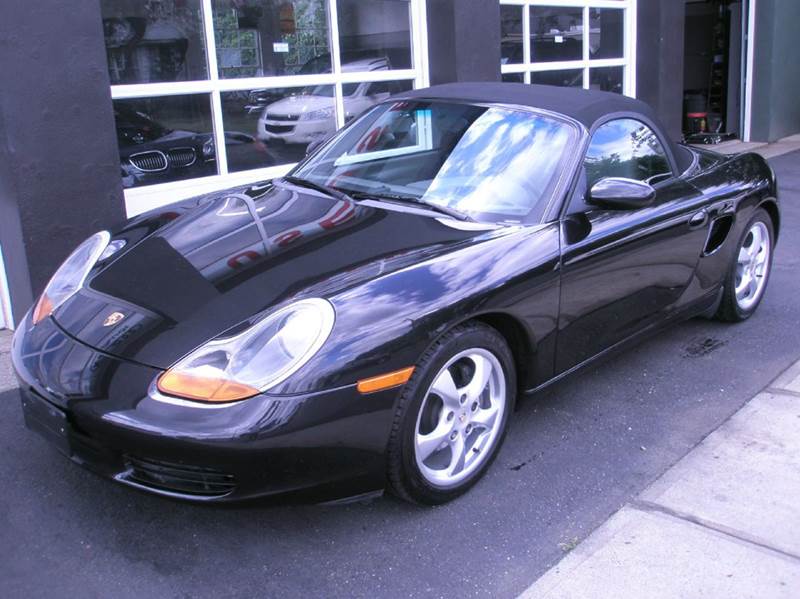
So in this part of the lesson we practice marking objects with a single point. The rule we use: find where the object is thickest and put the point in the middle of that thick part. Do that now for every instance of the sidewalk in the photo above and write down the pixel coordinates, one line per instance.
(767, 150)
(7, 380)
(723, 522)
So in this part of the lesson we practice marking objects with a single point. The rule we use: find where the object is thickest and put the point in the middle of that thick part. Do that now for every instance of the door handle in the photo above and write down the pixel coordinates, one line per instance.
(698, 219)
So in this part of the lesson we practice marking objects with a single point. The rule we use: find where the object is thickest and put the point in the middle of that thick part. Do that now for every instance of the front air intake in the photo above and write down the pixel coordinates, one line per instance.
(177, 478)
(718, 234)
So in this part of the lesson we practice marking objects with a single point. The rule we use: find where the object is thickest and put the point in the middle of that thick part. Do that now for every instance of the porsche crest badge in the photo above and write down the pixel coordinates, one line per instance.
(113, 318)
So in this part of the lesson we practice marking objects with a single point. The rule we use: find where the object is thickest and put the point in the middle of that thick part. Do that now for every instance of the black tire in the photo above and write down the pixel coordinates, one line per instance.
(404, 476)
(729, 309)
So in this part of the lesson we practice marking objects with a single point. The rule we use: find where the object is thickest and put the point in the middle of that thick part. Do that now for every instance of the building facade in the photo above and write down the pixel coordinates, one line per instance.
(110, 108)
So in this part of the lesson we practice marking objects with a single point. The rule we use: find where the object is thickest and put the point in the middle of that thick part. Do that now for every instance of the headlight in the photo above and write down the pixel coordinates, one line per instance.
(243, 365)
(208, 149)
(70, 276)
(317, 115)
(112, 248)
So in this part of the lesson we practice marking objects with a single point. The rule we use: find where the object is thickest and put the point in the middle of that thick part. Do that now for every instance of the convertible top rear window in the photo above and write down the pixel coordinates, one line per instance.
(493, 163)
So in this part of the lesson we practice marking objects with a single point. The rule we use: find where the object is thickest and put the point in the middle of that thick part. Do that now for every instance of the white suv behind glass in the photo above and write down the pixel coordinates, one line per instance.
(309, 115)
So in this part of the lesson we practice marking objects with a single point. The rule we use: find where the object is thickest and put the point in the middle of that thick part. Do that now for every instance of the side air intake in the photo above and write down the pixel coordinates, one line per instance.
(718, 234)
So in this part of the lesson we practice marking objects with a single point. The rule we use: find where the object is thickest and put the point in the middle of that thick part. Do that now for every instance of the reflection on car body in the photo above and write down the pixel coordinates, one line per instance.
(225, 240)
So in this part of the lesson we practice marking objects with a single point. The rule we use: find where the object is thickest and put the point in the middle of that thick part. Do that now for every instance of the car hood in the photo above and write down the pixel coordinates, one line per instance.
(299, 104)
(229, 259)
(173, 139)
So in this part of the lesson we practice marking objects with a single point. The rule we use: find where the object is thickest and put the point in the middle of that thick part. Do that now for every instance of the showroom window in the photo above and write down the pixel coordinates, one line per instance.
(214, 93)
(571, 43)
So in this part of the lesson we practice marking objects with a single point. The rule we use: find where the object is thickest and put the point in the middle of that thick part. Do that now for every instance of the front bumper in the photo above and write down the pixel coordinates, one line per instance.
(294, 132)
(95, 409)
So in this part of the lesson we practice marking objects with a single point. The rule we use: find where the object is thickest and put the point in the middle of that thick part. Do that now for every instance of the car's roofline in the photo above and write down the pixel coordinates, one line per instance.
(583, 105)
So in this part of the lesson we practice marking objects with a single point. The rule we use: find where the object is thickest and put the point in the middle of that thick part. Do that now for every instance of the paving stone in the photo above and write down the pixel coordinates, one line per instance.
(790, 379)
(745, 476)
(7, 379)
(639, 554)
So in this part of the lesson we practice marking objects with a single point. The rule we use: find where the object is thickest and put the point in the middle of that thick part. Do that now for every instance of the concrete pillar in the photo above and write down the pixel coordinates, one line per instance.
(59, 163)
(463, 40)
(775, 107)
(659, 60)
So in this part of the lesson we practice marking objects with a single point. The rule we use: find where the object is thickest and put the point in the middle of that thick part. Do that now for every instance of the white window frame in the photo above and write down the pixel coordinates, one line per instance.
(628, 60)
(141, 199)
(747, 75)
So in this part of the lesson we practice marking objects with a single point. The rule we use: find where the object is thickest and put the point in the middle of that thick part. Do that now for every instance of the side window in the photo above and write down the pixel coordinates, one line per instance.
(625, 148)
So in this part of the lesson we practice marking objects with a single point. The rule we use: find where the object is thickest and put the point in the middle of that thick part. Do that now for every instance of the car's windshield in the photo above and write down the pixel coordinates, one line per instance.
(492, 163)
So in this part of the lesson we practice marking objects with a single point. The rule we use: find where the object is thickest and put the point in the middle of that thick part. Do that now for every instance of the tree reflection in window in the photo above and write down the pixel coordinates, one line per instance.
(258, 39)
(625, 148)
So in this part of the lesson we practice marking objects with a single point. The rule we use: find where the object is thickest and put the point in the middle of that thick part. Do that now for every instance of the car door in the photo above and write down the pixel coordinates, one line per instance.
(622, 270)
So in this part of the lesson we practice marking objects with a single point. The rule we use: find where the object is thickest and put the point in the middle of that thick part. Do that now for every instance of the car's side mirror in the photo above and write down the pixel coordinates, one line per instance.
(619, 193)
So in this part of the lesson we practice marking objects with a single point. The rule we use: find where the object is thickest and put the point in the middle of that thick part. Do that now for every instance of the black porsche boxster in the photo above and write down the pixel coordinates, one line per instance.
(369, 320)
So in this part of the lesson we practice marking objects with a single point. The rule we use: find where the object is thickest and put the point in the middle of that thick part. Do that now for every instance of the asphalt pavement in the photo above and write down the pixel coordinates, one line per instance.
(574, 455)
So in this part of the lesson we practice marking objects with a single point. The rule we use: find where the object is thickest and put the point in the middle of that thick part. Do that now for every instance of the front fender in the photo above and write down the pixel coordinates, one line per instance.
(387, 322)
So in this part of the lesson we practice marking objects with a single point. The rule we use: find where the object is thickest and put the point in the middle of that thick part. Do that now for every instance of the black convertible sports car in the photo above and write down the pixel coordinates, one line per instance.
(370, 320)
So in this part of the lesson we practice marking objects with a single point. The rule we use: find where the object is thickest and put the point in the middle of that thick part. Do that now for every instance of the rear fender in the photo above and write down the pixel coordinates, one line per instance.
(735, 189)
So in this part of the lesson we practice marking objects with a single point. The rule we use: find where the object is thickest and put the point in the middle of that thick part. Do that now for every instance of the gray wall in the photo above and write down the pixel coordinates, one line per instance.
(659, 60)
(776, 71)
(59, 164)
(463, 40)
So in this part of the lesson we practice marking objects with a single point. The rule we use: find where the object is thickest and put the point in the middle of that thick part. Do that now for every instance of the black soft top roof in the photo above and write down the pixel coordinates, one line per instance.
(585, 106)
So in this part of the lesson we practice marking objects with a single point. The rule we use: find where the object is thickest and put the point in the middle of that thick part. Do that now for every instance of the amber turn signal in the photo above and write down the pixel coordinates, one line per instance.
(385, 381)
(43, 309)
(202, 388)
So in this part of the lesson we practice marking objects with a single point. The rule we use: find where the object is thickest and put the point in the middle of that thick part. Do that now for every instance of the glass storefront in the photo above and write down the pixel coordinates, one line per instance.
(556, 33)
(579, 43)
(267, 39)
(164, 138)
(150, 42)
(212, 88)
(560, 77)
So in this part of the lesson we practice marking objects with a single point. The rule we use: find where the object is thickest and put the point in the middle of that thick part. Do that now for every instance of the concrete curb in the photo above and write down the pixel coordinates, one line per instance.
(722, 522)
(7, 379)
(767, 150)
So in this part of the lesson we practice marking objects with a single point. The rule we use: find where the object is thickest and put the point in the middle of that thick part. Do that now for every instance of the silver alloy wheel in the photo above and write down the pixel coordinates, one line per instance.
(752, 266)
(460, 417)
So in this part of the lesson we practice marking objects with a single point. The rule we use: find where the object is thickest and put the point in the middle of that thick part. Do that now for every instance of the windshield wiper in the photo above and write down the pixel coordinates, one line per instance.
(398, 197)
(381, 194)
(326, 189)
